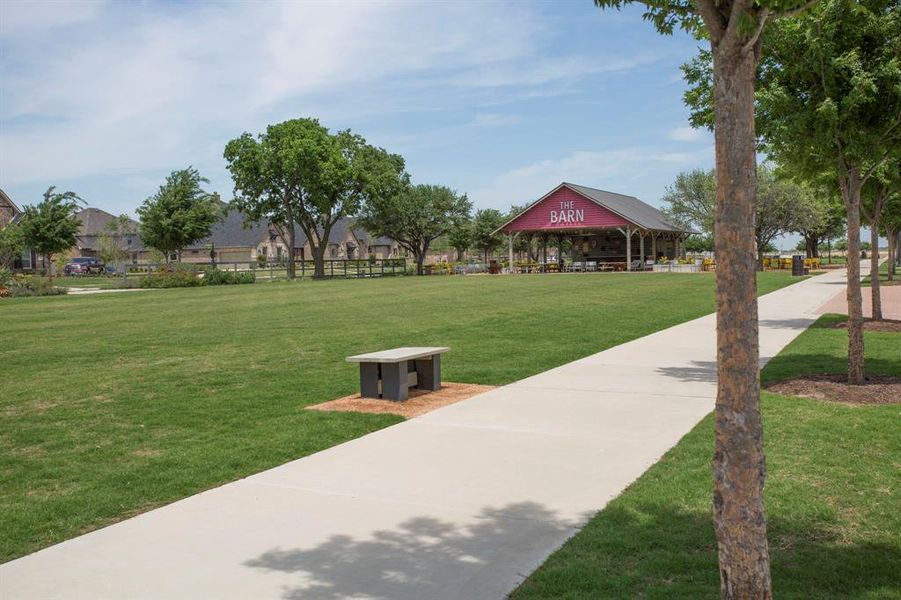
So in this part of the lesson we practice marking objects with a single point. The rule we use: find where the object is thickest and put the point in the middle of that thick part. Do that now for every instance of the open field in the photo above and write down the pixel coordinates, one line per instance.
(114, 404)
(832, 499)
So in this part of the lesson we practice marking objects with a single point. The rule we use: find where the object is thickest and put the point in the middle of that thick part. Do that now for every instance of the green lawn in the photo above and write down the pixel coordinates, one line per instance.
(833, 500)
(114, 404)
(88, 281)
(883, 276)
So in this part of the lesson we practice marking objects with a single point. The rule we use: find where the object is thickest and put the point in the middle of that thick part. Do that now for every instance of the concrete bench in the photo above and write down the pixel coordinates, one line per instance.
(390, 373)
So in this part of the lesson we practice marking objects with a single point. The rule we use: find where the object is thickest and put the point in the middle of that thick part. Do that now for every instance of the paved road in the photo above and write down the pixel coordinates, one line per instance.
(463, 502)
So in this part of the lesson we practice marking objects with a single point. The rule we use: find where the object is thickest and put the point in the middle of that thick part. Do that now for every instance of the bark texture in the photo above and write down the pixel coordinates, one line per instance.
(851, 184)
(739, 468)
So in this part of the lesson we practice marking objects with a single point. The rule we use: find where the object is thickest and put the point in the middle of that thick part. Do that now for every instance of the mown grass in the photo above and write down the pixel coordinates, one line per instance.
(114, 404)
(832, 498)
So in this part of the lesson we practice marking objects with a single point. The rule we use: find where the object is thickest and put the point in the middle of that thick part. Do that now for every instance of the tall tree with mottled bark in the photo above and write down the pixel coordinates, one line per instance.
(734, 29)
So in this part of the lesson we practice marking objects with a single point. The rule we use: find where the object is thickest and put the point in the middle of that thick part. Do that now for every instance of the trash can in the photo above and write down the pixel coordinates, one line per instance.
(797, 265)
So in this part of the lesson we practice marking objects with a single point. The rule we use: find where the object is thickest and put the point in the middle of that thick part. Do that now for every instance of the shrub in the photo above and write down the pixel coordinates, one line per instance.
(29, 285)
(214, 276)
(172, 279)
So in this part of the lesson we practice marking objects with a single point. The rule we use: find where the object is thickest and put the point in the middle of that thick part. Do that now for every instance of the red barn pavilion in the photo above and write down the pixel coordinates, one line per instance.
(607, 230)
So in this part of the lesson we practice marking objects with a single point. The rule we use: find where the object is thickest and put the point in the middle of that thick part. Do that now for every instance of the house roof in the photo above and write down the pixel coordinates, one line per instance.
(95, 221)
(628, 207)
(4, 199)
(231, 232)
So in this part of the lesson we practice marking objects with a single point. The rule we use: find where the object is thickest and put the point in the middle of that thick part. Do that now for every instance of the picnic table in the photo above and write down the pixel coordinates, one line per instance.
(390, 373)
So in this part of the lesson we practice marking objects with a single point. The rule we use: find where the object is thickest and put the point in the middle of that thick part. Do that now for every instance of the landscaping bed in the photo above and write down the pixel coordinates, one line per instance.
(419, 402)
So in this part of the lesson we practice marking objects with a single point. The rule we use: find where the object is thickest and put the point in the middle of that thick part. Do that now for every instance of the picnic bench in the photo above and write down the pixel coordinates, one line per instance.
(390, 373)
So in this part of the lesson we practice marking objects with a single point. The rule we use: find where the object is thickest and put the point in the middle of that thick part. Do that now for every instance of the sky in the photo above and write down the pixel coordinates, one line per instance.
(499, 100)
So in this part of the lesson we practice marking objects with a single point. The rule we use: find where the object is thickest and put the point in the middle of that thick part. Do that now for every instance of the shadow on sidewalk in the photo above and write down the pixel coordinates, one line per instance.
(423, 557)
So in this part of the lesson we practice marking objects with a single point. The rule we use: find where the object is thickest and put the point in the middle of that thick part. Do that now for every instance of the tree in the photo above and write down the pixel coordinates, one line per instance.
(891, 226)
(691, 200)
(11, 245)
(415, 217)
(525, 240)
(272, 171)
(297, 172)
(50, 226)
(734, 29)
(179, 214)
(820, 218)
(484, 226)
(830, 102)
(460, 237)
(114, 241)
(779, 205)
(873, 202)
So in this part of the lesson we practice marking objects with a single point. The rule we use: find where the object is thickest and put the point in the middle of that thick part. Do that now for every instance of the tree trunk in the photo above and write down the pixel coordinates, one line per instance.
(739, 468)
(892, 250)
(815, 246)
(48, 258)
(420, 259)
(760, 257)
(292, 236)
(318, 251)
(851, 184)
(874, 268)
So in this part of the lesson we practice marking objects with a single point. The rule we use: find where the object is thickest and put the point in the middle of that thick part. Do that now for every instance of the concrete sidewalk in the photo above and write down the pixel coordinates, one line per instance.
(461, 503)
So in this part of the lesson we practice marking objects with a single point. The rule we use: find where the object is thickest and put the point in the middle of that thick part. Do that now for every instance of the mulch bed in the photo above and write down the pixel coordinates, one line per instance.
(889, 325)
(419, 402)
(878, 389)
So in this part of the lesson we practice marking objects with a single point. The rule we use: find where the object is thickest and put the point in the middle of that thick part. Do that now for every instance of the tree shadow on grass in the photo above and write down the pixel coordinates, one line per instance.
(425, 557)
(654, 551)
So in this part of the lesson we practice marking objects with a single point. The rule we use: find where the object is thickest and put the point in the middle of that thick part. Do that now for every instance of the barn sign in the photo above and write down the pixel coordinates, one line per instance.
(565, 209)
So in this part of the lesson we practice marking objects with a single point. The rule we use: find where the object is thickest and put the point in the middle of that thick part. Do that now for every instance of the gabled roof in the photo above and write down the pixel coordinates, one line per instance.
(231, 232)
(4, 199)
(629, 208)
(94, 221)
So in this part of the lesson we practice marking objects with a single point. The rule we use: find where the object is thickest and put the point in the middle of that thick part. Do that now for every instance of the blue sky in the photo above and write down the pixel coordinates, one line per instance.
(498, 100)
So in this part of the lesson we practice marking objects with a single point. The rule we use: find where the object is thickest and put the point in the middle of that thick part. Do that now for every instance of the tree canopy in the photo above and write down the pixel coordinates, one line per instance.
(484, 225)
(416, 216)
(299, 172)
(179, 214)
(50, 226)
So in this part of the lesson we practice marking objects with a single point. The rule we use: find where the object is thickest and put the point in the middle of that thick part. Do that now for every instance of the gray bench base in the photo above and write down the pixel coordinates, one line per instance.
(392, 381)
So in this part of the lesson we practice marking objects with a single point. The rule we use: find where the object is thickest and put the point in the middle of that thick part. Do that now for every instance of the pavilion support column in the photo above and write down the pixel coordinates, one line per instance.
(641, 248)
(510, 248)
(654, 246)
(544, 252)
(628, 248)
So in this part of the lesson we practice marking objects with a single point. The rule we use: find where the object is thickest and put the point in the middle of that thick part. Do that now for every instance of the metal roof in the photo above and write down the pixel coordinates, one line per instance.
(628, 207)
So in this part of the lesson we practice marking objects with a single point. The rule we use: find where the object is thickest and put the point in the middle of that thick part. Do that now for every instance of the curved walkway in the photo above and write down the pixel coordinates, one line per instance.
(463, 502)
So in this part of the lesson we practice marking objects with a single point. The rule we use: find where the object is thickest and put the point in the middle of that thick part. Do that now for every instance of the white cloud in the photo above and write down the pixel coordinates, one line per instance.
(688, 134)
(101, 88)
(619, 170)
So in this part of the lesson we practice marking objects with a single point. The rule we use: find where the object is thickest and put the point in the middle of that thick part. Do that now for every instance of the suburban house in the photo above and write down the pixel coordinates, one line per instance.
(232, 240)
(95, 224)
(10, 213)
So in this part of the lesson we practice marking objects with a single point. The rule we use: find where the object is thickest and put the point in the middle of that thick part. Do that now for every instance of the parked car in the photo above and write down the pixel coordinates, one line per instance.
(84, 266)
